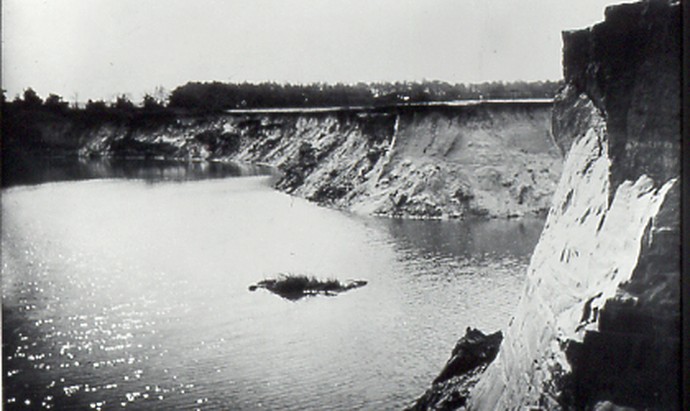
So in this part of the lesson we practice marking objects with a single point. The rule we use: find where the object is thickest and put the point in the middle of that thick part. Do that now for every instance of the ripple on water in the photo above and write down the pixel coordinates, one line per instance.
(151, 310)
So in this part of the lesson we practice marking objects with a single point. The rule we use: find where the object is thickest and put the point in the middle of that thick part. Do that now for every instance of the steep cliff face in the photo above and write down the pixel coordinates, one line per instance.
(598, 323)
(493, 159)
(489, 160)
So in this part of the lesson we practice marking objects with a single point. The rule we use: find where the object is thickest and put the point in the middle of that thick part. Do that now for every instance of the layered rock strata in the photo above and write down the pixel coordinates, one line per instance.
(598, 324)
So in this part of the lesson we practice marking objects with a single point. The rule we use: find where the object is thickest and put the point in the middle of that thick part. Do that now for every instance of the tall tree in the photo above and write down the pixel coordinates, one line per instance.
(31, 99)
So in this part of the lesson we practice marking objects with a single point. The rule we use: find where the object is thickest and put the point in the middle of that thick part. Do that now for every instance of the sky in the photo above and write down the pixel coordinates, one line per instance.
(97, 49)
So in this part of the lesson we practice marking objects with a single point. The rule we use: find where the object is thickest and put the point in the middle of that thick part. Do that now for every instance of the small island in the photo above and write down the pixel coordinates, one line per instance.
(294, 287)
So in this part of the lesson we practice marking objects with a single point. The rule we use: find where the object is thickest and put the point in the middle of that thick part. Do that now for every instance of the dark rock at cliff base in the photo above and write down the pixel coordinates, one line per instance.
(472, 353)
(632, 361)
(473, 350)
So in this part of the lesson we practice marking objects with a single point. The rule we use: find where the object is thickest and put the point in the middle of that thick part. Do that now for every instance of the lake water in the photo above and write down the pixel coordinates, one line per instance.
(132, 292)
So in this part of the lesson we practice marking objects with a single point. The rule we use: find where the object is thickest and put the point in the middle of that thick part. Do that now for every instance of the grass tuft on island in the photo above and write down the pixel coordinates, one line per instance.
(293, 287)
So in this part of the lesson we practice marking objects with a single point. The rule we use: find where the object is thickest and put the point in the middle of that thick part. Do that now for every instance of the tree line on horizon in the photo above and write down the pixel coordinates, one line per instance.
(216, 96)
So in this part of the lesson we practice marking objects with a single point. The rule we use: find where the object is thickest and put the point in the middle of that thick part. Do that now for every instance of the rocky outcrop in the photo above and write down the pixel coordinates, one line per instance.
(598, 324)
(470, 357)
(495, 159)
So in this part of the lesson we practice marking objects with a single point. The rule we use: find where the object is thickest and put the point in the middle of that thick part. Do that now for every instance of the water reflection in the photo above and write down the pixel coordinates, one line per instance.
(472, 238)
(30, 170)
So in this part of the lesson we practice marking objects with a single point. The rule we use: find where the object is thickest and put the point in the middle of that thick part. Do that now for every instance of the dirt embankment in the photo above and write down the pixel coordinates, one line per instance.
(489, 159)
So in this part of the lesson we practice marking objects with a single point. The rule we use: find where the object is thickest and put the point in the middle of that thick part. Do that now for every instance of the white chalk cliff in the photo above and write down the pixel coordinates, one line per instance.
(598, 322)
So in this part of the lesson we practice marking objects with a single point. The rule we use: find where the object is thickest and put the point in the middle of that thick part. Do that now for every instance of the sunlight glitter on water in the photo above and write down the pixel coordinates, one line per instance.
(119, 293)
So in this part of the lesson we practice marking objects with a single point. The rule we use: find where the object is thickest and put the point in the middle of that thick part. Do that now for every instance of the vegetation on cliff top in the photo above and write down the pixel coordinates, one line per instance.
(216, 96)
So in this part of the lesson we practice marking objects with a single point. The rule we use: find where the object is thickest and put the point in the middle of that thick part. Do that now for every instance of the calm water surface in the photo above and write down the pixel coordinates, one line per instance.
(133, 293)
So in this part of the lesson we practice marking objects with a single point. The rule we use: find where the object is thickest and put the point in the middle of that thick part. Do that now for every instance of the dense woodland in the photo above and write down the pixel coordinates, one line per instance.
(216, 96)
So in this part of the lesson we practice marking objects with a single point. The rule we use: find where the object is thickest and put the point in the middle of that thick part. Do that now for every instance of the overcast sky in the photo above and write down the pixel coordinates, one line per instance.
(98, 49)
